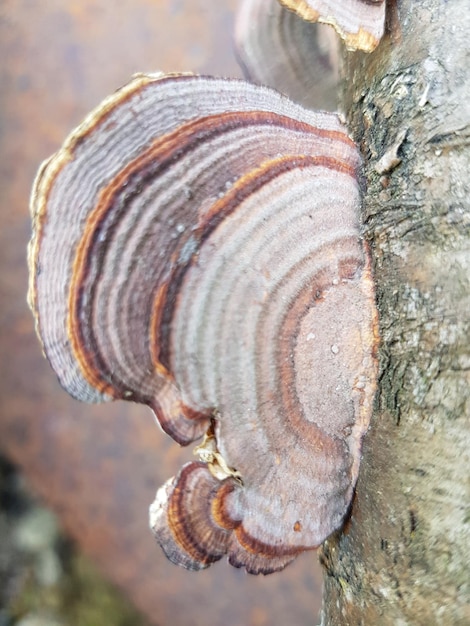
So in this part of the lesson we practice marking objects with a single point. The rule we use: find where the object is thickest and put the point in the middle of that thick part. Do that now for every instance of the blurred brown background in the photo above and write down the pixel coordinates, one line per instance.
(98, 467)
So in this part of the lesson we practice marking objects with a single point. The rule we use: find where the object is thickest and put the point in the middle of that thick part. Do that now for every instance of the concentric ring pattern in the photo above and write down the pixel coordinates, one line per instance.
(197, 248)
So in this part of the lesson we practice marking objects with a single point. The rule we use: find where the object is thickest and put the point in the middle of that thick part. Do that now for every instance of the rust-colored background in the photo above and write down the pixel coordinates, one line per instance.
(99, 466)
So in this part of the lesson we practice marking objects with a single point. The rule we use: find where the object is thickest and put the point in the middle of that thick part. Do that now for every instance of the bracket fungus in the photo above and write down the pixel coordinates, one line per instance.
(360, 23)
(265, 25)
(197, 248)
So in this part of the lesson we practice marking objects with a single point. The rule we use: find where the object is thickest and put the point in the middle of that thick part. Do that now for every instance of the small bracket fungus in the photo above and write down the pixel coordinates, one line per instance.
(305, 65)
(360, 23)
(197, 249)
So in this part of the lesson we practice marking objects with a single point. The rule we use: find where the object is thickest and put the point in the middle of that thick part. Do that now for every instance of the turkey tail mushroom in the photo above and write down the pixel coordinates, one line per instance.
(197, 248)
(360, 23)
(305, 65)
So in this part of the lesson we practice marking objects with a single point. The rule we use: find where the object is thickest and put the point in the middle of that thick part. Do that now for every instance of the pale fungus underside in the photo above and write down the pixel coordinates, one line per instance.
(359, 23)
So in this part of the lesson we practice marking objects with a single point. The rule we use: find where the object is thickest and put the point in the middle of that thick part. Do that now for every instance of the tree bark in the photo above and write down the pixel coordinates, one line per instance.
(403, 558)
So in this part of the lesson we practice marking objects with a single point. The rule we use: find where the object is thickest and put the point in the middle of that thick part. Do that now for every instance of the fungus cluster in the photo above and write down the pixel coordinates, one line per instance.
(197, 249)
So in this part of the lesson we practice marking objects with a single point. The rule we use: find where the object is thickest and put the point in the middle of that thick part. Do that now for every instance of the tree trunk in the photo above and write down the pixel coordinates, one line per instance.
(404, 556)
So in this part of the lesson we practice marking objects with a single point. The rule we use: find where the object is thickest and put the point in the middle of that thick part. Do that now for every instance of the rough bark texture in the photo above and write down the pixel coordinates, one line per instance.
(404, 557)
